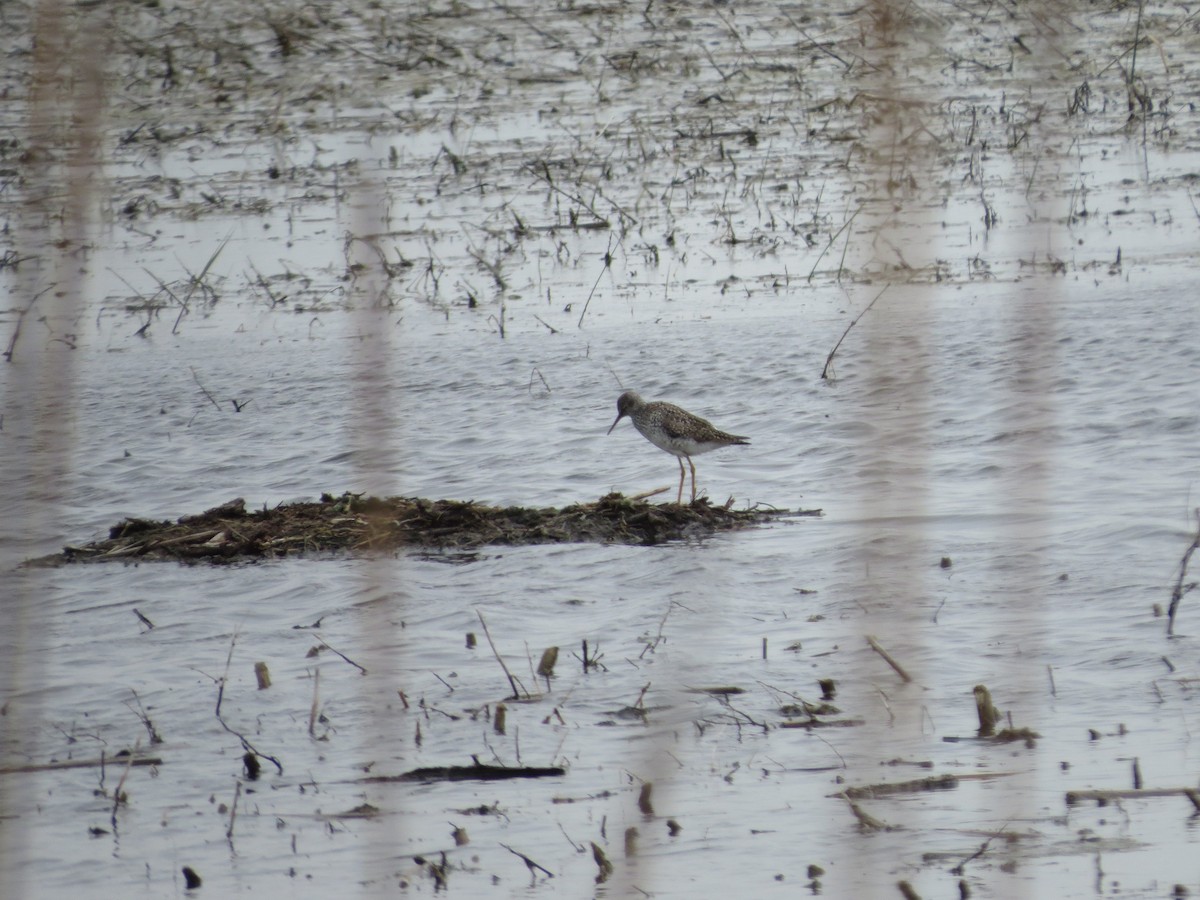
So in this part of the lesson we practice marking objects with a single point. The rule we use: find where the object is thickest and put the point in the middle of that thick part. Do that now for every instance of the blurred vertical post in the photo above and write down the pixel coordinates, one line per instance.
(895, 161)
(376, 453)
(59, 121)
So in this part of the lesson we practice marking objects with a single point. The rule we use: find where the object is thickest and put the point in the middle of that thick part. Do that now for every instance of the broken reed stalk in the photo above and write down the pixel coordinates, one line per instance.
(512, 680)
(155, 737)
(237, 793)
(888, 659)
(602, 863)
(204, 390)
(645, 805)
(196, 281)
(607, 263)
(327, 646)
(988, 714)
(312, 710)
(1137, 37)
(866, 820)
(1180, 588)
(829, 358)
(546, 664)
(117, 794)
(831, 242)
(631, 836)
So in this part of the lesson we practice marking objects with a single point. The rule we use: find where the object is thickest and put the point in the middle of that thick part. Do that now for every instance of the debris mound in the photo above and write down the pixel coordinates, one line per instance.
(353, 523)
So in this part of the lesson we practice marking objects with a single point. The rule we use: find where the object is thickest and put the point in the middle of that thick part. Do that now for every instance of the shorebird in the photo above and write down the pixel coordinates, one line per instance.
(675, 430)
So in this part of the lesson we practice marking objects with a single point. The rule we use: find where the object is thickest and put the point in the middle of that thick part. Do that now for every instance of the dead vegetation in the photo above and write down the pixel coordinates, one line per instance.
(353, 523)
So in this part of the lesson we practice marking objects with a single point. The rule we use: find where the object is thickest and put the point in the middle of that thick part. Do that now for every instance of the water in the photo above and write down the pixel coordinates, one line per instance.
(1062, 535)
(1017, 402)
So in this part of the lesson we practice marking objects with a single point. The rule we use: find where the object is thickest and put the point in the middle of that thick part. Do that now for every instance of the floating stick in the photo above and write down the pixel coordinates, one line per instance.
(887, 658)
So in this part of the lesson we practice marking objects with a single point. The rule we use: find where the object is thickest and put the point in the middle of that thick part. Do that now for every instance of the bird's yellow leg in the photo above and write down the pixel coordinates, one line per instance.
(682, 475)
(693, 465)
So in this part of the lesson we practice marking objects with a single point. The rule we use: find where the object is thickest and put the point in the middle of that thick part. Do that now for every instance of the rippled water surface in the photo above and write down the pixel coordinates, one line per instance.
(1005, 454)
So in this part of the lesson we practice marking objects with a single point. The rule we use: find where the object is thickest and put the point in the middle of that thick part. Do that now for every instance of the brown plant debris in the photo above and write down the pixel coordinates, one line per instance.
(920, 785)
(477, 772)
(1104, 797)
(357, 524)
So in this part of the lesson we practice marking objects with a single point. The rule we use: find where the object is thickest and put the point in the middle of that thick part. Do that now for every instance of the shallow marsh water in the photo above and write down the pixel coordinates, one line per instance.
(1021, 400)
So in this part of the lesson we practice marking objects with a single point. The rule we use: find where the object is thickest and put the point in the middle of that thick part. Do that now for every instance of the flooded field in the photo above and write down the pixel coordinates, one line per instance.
(282, 250)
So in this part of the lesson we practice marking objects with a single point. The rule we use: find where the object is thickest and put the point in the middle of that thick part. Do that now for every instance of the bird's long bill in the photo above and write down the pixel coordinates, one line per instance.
(615, 421)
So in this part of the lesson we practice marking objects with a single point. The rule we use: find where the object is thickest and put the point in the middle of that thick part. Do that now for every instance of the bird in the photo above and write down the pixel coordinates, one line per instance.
(675, 430)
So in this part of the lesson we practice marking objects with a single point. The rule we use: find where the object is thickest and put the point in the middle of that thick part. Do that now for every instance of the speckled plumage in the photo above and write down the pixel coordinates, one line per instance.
(675, 430)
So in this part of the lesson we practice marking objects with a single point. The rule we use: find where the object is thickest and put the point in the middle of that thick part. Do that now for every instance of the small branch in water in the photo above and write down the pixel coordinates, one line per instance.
(960, 869)
(530, 864)
(155, 737)
(538, 373)
(119, 793)
(204, 390)
(866, 821)
(499, 322)
(658, 638)
(340, 653)
(12, 342)
(512, 679)
(829, 358)
(1180, 588)
(887, 658)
